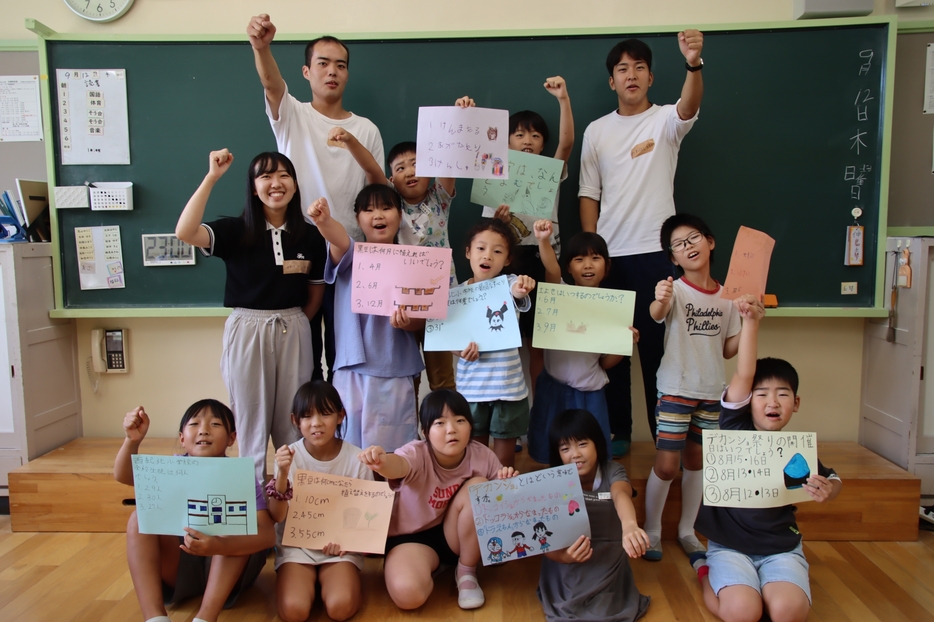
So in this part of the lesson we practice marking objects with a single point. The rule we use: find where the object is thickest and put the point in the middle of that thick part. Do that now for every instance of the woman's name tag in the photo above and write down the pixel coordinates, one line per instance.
(296, 266)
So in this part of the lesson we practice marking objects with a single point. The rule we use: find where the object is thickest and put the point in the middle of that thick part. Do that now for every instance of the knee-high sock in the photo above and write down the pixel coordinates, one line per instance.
(692, 488)
(656, 493)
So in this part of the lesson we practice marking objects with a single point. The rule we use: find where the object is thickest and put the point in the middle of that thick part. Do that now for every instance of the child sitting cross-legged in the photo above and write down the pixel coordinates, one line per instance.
(754, 558)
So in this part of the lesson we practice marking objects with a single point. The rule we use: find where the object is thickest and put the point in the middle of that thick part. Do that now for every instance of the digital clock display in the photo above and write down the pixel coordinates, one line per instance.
(164, 249)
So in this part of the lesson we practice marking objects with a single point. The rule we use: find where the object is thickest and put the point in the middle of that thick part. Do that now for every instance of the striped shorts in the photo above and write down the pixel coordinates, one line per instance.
(683, 418)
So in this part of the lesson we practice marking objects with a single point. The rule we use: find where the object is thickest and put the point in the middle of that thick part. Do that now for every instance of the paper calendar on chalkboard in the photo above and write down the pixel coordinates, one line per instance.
(92, 116)
(100, 257)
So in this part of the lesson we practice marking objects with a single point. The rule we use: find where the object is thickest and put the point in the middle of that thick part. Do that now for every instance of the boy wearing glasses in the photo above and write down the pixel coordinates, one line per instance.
(701, 331)
(628, 162)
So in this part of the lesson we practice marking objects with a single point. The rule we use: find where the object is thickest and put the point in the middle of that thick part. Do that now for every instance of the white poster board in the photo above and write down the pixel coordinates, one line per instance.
(753, 469)
(92, 116)
(462, 142)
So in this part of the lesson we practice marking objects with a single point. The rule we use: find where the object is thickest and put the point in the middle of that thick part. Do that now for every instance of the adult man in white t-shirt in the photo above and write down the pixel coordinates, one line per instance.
(628, 162)
(325, 168)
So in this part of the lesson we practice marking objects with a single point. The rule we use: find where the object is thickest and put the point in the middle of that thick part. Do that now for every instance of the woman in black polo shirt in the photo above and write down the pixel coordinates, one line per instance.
(275, 269)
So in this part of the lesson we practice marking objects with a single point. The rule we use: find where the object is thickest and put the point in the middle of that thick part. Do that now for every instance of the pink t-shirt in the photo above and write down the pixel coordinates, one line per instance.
(425, 492)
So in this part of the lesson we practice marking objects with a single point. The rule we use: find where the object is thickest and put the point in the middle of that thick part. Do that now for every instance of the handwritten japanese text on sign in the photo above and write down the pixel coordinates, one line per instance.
(752, 469)
(531, 188)
(484, 313)
(216, 496)
(749, 264)
(462, 142)
(387, 277)
(529, 514)
(583, 319)
(353, 513)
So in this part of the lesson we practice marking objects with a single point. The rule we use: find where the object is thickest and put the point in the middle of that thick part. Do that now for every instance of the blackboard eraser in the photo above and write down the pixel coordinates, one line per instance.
(769, 301)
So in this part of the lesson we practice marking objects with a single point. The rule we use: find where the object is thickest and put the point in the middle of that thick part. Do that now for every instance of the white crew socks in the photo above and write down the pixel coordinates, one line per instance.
(160, 619)
(656, 493)
(692, 488)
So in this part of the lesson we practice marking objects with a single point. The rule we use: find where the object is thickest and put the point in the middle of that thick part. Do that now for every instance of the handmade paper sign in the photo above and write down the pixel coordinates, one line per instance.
(462, 142)
(216, 496)
(529, 514)
(583, 319)
(484, 313)
(531, 188)
(353, 513)
(749, 264)
(752, 469)
(387, 277)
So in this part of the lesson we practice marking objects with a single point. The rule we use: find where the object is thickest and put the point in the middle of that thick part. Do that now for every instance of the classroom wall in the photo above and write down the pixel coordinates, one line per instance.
(173, 362)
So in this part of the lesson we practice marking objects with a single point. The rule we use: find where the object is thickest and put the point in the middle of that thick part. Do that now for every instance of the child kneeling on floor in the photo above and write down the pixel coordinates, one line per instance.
(754, 560)
(167, 569)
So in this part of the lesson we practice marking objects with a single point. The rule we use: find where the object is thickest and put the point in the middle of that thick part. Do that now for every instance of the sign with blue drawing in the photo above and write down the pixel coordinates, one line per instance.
(484, 313)
(529, 514)
(753, 469)
(216, 496)
(583, 319)
(531, 188)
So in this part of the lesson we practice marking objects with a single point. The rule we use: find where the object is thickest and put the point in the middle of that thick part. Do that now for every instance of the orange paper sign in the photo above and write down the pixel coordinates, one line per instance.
(353, 513)
(749, 265)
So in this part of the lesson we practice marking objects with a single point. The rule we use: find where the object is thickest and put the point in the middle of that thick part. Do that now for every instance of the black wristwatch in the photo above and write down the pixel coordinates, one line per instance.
(693, 69)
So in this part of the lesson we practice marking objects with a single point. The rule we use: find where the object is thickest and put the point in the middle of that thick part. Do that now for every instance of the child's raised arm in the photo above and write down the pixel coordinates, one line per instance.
(331, 230)
(135, 427)
(522, 287)
(261, 32)
(557, 87)
(635, 540)
(374, 171)
(189, 229)
(751, 310)
(662, 304)
(278, 509)
(390, 466)
(691, 42)
(543, 229)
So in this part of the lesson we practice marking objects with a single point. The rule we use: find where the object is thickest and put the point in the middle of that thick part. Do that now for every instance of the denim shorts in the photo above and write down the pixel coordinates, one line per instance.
(729, 567)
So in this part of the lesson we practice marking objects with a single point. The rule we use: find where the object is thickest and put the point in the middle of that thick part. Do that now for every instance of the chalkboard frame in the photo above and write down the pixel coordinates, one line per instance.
(876, 308)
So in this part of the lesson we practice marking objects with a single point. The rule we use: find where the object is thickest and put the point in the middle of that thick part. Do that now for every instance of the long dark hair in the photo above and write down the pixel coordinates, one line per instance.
(254, 218)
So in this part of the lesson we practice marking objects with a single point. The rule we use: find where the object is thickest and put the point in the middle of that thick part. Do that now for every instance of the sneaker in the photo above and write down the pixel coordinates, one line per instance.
(469, 597)
(692, 548)
(654, 552)
(620, 447)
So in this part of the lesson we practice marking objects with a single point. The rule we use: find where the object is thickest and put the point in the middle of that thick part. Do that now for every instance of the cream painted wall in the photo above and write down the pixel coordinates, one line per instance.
(174, 362)
(374, 16)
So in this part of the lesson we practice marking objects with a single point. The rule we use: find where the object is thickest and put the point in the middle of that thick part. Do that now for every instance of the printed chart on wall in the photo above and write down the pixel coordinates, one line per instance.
(752, 469)
(93, 119)
(100, 257)
(20, 112)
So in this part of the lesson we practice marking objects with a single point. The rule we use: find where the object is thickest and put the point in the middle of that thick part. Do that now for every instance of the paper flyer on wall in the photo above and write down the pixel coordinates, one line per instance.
(100, 257)
(20, 111)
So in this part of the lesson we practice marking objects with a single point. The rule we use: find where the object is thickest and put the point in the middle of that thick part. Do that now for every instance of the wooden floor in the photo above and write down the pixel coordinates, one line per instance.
(84, 577)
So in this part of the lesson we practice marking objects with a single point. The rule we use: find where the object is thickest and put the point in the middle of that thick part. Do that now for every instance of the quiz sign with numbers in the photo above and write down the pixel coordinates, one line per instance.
(387, 277)
(753, 469)
(584, 319)
(353, 513)
(462, 142)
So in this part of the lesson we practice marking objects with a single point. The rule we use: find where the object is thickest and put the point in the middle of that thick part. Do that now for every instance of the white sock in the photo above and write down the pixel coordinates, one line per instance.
(160, 619)
(656, 493)
(199, 620)
(692, 489)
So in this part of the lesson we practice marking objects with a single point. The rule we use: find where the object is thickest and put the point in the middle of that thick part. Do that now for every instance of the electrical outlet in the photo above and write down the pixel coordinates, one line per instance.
(848, 288)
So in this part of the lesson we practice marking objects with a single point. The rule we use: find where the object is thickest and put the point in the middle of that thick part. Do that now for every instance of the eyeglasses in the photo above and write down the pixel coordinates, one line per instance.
(679, 245)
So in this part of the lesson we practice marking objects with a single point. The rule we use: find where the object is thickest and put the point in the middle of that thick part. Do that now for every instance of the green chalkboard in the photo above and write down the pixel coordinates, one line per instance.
(783, 116)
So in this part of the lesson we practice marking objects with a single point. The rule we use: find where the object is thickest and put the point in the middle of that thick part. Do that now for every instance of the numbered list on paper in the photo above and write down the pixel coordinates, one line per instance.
(100, 257)
(92, 116)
